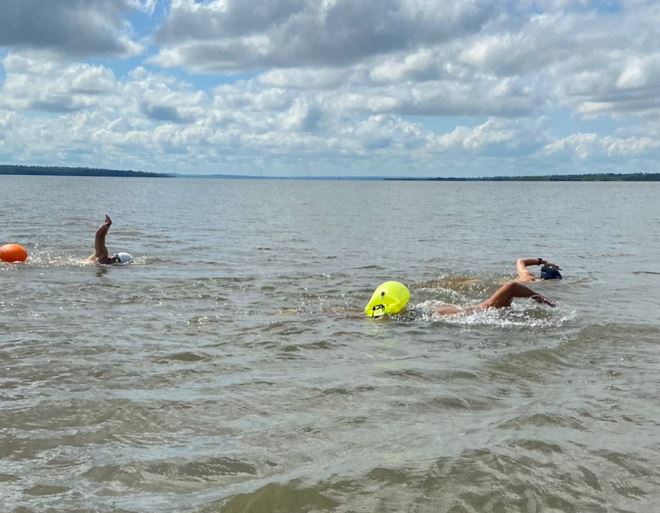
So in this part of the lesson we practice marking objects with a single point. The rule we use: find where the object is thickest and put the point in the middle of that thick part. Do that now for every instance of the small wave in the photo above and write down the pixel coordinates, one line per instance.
(291, 496)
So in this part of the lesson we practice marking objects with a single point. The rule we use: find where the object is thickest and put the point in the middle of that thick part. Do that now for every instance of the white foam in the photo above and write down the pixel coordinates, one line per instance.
(524, 314)
(55, 259)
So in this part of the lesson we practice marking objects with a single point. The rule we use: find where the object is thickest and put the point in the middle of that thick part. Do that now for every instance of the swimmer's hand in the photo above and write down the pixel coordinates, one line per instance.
(542, 300)
(550, 265)
(107, 221)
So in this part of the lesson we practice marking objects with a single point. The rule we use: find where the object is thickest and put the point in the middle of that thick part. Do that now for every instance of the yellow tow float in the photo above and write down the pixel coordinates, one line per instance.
(389, 298)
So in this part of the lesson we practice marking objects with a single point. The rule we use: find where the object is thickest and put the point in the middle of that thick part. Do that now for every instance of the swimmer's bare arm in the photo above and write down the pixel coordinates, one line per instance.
(502, 298)
(524, 275)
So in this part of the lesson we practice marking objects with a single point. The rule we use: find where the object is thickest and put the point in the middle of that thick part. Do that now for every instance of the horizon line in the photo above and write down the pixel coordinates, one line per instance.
(21, 169)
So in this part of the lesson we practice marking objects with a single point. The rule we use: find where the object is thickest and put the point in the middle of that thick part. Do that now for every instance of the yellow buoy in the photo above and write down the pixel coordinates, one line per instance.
(388, 299)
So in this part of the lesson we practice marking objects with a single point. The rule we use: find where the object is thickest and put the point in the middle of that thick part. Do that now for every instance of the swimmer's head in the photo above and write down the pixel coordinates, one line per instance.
(122, 258)
(548, 273)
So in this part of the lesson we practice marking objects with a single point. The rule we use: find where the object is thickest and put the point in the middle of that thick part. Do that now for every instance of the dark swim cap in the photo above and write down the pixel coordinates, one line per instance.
(548, 273)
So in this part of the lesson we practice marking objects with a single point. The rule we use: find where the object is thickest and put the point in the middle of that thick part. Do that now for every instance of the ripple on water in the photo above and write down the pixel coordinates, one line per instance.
(45, 489)
(185, 356)
(291, 497)
(518, 477)
(174, 475)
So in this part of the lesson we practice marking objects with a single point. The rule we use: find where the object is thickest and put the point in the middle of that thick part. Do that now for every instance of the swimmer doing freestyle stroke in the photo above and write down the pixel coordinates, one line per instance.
(100, 255)
(504, 296)
(391, 298)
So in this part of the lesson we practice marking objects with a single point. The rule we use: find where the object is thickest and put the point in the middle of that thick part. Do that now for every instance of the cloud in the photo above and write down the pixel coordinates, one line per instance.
(41, 81)
(301, 117)
(355, 86)
(640, 72)
(422, 64)
(609, 63)
(584, 146)
(161, 98)
(503, 54)
(475, 139)
(78, 28)
(161, 112)
(630, 146)
(294, 78)
(224, 35)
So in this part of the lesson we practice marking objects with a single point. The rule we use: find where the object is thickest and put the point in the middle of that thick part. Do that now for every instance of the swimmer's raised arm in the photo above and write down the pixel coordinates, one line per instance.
(524, 274)
(521, 267)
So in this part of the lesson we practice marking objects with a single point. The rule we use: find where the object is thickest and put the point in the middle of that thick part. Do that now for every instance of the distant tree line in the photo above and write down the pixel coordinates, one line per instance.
(74, 171)
(592, 177)
(87, 171)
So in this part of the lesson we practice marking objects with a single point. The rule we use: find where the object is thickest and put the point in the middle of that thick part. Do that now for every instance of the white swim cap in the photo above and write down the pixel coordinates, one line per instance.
(122, 258)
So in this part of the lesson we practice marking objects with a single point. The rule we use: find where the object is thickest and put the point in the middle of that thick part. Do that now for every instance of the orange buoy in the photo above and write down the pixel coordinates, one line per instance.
(13, 253)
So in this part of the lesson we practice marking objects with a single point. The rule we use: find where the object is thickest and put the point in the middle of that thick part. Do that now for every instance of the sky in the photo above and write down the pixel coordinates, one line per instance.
(407, 88)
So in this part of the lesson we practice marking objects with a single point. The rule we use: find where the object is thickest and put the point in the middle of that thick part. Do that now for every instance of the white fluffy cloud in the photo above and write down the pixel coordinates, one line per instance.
(585, 146)
(356, 86)
(237, 35)
(41, 81)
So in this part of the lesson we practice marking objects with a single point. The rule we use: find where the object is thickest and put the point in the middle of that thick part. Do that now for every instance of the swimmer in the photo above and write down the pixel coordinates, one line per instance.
(502, 298)
(101, 251)
(399, 295)
(549, 271)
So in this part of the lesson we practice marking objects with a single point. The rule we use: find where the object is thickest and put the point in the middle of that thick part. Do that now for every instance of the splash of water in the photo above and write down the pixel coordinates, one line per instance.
(520, 315)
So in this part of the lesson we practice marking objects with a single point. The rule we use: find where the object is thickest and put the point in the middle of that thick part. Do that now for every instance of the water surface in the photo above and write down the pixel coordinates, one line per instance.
(230, 368)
